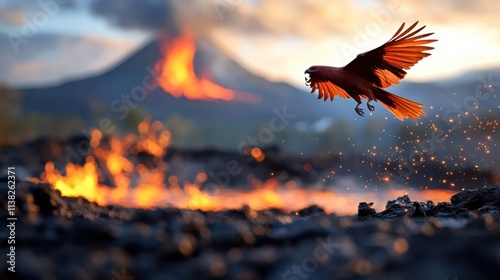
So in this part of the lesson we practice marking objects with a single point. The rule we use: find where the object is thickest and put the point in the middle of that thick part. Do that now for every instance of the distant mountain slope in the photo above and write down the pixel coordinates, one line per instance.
(103, 94)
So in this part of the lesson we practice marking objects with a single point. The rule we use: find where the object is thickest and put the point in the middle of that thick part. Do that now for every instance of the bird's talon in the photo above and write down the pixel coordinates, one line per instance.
(360, 112)
(370, 107)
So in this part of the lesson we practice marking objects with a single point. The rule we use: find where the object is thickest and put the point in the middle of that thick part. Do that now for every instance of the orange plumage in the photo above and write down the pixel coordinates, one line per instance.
(370, 72)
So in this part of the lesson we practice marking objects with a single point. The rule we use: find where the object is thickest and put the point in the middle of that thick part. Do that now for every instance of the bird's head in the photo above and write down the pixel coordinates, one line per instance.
(311, 69)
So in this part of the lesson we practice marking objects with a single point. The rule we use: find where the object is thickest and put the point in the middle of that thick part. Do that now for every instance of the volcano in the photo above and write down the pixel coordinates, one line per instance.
(131, 86)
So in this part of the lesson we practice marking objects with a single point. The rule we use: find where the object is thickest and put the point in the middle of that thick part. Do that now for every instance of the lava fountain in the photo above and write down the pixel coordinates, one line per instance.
(176, 74)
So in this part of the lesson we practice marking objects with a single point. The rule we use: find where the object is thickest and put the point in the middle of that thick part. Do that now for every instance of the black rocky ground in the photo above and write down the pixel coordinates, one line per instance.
(70, 238)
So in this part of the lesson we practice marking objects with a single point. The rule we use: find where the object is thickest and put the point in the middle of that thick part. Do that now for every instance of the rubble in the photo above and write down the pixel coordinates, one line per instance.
(466, 203)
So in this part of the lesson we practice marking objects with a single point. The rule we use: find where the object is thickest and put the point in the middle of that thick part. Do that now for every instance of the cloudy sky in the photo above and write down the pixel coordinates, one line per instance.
(49, 41)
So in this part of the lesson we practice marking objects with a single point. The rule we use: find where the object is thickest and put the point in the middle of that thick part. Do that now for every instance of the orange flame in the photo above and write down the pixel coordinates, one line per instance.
(114, 164)
(177, 75)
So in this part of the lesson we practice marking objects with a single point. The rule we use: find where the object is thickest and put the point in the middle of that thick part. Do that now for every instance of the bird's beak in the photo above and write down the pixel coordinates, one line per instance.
(307, 71)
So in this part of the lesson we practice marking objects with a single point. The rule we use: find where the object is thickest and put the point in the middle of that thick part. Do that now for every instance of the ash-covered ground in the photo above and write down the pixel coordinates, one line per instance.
(71, 238)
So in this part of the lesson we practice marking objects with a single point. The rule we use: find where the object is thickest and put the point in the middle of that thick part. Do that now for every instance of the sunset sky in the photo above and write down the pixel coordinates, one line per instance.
(43, 44)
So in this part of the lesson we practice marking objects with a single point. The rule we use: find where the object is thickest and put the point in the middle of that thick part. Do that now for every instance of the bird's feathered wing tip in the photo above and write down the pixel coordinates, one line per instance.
(387, 63)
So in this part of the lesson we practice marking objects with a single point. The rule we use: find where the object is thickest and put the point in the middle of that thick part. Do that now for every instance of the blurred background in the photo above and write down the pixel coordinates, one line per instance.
(227, 75)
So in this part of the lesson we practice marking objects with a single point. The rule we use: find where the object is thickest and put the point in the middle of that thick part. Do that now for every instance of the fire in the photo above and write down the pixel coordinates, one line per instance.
(177, 75)
(113, 175)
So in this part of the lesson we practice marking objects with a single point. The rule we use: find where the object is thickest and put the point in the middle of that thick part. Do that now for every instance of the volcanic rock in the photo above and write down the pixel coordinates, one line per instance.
(463, 204)
(474, 199)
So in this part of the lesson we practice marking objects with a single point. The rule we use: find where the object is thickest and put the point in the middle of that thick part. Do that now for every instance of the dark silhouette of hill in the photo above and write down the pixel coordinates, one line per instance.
(102, 95)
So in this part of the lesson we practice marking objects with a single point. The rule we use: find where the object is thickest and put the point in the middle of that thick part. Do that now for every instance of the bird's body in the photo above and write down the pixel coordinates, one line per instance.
(367, 75)
(352, 83)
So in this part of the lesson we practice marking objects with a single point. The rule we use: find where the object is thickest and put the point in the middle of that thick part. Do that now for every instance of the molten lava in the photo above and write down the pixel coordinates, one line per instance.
(112, 174)
(177, 75)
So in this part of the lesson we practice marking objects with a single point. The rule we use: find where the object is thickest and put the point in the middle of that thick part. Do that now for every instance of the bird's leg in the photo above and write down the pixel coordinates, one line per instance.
(358, 110)
(370, 106)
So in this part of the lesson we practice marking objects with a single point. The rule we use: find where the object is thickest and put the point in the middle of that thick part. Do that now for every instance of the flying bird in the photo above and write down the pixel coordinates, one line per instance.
(369, 73)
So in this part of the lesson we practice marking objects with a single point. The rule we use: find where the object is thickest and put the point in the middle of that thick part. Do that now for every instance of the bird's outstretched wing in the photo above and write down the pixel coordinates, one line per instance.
(326, 89)
(384, 66)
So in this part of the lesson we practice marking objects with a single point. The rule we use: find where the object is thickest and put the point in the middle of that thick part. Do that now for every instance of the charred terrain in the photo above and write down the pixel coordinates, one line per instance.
(72, 238)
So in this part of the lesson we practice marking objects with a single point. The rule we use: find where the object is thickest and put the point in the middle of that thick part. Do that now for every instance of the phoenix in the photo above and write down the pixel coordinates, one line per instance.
(369, 73)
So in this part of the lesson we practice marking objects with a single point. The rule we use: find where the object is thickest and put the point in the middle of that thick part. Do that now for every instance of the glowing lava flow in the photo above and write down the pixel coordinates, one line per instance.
(177, 75)
(144, 185)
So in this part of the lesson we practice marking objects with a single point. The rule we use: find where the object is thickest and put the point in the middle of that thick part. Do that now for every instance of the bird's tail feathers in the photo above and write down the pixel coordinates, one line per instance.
(400, 107)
